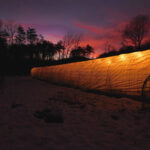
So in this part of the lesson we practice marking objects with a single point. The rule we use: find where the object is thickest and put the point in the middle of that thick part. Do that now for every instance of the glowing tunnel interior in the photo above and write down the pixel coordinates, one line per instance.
(125, 73)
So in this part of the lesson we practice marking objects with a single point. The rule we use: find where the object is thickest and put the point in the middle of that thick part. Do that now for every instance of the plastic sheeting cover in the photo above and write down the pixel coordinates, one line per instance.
(124, 73)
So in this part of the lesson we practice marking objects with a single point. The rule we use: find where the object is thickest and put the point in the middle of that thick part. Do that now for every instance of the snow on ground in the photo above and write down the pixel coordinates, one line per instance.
(91, 121)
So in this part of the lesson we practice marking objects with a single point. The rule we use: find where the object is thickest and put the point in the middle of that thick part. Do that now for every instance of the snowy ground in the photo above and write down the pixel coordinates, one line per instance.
(91, 121)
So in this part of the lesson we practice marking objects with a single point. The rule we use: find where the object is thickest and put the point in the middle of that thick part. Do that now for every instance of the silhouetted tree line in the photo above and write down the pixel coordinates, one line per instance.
(134, 37)
(21, 49)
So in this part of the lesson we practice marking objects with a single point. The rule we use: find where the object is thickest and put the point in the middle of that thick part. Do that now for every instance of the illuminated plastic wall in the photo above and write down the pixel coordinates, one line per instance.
(124, 73)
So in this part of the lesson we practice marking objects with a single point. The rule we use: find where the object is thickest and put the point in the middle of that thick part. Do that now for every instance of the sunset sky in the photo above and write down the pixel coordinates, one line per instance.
(97, 20)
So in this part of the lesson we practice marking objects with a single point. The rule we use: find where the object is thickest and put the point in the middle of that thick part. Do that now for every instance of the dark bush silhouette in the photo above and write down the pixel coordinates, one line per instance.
(82, 51)
(50, 115)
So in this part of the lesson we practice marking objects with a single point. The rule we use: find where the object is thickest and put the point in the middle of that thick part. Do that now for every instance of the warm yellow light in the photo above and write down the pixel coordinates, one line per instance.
(122, 57)
(139, 54)
(109, 62)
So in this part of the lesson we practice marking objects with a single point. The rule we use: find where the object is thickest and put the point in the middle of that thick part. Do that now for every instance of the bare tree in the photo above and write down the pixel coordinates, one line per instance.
(1, 26)
(11, 29)
(32, 36)
(3, 33)
(70, 41)
(108, 47)
(59, 48)
(136, 30)
(20, 36)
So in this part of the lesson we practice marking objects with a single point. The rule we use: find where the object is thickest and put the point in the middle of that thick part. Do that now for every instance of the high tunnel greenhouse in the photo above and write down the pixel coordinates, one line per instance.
(126, 74)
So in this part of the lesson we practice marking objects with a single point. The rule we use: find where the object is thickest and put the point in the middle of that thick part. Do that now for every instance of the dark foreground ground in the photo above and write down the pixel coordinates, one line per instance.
(36, 115)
